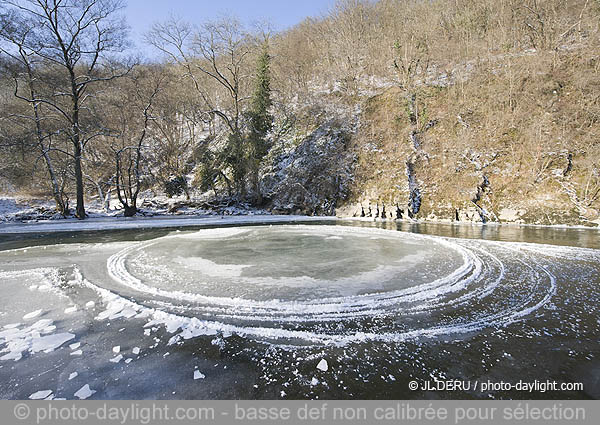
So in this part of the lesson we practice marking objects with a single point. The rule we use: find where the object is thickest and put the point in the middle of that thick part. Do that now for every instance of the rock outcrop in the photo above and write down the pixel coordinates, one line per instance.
(314, 177)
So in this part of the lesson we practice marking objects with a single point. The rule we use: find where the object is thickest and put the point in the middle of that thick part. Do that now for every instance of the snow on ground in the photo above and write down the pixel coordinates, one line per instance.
(15, 208)
(8, 206)
(21, 209)
(32, 216)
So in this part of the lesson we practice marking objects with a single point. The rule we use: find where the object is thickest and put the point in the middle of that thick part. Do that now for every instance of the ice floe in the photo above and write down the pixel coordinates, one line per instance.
(84, 392)
(116, 359)
(40, 395)
(32, 315)
(33, 339)
(323, 365)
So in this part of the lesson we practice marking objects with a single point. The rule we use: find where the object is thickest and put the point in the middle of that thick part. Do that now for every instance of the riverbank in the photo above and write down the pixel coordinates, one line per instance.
(20, 216)
(122, 223)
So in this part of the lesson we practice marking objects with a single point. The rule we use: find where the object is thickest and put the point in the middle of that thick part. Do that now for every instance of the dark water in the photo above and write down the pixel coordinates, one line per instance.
(577, 237)
(509, 314)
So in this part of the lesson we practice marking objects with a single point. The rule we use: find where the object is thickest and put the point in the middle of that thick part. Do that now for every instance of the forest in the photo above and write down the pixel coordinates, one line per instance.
(456, 109)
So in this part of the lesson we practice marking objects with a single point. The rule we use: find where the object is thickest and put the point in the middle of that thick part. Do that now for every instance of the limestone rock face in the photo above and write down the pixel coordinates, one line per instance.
(312, 178)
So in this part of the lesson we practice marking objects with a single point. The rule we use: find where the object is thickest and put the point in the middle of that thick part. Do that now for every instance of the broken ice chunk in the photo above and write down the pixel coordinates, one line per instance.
(323, 365)
(198, 375)
(70, 310)
(77, 353)
(15, 355)
(136, 350)
(117, 349)
(73, 375)
(32, 315)
(48, 329)
(50, 342)
(12, 326)
(116, 359)
(40, 395)
(41, 324)
(84, 392)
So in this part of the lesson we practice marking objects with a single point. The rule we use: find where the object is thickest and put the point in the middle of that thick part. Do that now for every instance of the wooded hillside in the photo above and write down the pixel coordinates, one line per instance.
(479, 110)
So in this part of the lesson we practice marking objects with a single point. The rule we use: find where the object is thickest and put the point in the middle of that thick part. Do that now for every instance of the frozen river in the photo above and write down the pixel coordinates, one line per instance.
(315, 310)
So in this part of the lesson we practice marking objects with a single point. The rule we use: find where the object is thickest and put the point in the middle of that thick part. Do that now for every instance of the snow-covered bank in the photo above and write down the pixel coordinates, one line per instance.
(121, 223)
(27, 216)
(24, 215)
(26, 209)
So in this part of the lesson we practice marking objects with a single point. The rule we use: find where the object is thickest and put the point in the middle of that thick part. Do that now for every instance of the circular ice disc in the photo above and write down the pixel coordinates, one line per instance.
(290, 263)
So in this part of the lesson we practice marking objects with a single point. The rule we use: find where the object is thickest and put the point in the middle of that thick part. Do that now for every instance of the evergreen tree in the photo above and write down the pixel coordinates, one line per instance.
(261, 121)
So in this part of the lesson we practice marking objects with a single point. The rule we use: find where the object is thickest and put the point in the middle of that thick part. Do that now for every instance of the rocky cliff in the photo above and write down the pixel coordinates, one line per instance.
(516, 139)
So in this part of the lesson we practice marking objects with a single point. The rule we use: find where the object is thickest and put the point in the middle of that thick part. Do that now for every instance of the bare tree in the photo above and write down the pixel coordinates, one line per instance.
(351, 22)
(412, 60)
(135, 115)
(74, 37)
(14, 32)
(217, 51)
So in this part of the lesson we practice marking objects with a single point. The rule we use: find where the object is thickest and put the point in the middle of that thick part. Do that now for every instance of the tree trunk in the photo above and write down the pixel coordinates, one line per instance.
(107, 201)
(129, 211)
(76, 139)
(228, 183)
(61, 208)
(258, 199)
(80, 209)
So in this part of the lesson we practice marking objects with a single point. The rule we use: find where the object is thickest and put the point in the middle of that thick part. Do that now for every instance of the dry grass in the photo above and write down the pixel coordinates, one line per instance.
(515, 120)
